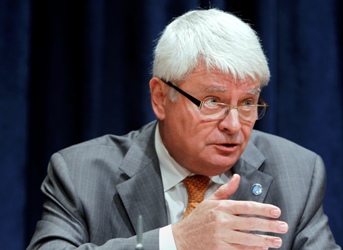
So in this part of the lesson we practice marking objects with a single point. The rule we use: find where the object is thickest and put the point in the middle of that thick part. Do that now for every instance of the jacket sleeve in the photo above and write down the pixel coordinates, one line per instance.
(64, 224)
(313, 229)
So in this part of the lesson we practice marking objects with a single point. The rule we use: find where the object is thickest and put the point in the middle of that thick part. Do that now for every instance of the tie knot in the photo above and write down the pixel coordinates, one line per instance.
(196, 186)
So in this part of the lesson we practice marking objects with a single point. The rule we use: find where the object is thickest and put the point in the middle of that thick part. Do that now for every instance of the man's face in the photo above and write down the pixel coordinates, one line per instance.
(203, 146)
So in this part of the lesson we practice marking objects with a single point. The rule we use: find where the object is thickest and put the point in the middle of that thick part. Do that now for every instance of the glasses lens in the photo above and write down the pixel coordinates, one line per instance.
(216, 110)
(247, 112)
(261, 110)
(210, 110)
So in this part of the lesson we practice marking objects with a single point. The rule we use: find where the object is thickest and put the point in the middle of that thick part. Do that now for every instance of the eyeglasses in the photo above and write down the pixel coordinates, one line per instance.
(214, 110)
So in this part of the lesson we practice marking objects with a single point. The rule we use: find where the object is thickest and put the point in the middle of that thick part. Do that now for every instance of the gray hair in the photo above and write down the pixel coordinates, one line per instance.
(220, 39)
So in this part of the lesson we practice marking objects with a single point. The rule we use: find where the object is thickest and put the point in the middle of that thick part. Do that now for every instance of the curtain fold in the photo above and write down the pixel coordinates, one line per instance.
(303, 42)
(72, 71)
(14, 72)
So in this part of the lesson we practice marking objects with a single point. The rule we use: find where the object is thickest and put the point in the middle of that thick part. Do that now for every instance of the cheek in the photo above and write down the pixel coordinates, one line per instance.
(190, 134)
(200, 135)
(246, 131)
(182, 118)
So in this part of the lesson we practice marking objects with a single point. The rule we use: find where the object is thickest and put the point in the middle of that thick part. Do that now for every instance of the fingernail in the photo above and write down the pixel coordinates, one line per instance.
(283, 227)
(277, 243)
(275, 212)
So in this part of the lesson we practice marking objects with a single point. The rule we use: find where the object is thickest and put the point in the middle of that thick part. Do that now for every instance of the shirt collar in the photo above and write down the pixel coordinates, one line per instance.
(172, 172)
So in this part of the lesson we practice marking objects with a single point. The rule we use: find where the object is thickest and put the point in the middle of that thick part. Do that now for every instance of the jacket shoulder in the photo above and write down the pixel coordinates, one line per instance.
(267, 143)
(111, 141)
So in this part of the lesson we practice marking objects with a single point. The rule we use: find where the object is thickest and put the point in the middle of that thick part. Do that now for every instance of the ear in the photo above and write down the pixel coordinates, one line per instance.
(158, 97)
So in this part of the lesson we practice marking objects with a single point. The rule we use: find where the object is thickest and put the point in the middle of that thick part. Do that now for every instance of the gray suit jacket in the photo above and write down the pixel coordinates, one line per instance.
(96, 190)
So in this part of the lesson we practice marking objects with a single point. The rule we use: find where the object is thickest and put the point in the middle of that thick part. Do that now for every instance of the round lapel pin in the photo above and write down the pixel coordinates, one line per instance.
(256, 189)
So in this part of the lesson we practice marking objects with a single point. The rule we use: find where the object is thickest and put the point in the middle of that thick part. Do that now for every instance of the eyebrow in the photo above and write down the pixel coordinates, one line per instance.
(215, 89)
(254, 91)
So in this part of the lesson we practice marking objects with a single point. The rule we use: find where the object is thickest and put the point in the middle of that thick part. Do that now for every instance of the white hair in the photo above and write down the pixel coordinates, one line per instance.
(220, 39)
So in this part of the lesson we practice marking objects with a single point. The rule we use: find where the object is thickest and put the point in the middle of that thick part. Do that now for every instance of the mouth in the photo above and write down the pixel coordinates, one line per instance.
(226, 147)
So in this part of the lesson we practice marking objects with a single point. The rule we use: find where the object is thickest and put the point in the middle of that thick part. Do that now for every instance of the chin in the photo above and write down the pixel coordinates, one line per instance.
(220, 166)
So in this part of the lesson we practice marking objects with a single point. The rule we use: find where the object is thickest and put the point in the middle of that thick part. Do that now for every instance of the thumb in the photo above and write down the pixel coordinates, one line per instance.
(227, 189)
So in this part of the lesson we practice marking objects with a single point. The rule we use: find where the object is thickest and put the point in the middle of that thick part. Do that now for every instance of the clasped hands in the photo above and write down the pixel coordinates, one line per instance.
(219, 223)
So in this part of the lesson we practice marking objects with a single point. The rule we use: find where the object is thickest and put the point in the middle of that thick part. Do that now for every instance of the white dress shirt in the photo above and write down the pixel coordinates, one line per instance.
(175, 192)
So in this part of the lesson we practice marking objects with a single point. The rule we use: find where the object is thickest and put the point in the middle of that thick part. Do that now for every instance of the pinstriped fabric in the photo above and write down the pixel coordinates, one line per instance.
(96, 190)
(196, 186)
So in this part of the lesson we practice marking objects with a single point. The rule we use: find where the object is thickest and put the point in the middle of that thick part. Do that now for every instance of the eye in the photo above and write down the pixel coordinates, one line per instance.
(211, 101)
(248, 102)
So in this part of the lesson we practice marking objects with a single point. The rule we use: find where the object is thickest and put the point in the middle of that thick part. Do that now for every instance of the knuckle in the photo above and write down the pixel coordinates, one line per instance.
(251, 223)
(249, 207)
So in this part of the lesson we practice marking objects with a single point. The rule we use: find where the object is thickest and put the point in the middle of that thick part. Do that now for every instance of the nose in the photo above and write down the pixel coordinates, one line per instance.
(231, 122)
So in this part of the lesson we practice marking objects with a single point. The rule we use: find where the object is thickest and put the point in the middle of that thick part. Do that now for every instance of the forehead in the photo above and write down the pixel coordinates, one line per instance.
(214, 80)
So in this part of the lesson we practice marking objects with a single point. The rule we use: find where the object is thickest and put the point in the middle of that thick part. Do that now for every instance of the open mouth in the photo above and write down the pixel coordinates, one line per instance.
(229, 145)
(226, 147)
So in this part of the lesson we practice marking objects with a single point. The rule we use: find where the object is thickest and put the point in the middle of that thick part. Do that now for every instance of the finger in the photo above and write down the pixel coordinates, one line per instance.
(248, 224)
(227, 189)
(254, 241)
(251, 208)
(242, 247)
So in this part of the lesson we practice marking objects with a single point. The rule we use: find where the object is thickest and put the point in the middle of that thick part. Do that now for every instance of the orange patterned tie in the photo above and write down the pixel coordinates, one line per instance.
(196, 186)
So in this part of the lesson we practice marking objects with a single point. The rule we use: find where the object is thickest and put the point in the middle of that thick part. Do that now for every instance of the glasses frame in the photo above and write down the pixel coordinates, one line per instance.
(199, 103)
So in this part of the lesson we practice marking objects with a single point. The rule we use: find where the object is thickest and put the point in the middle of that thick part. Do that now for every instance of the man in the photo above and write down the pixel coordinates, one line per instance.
(261, 191)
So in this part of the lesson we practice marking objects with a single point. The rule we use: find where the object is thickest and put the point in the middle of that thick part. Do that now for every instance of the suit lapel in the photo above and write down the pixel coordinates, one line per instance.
(249, 168)
(142, 193)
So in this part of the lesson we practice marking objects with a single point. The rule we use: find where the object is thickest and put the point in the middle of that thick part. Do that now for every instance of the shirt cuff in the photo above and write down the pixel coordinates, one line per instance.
(166, 240)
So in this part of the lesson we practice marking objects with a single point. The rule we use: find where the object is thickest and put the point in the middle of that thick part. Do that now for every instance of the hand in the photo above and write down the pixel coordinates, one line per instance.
(219, 223)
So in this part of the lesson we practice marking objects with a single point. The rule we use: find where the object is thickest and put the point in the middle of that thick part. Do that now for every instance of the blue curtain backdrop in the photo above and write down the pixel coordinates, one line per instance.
(74, 70)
